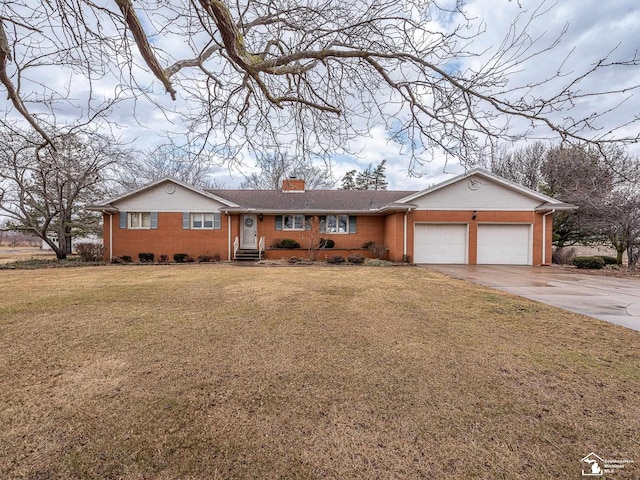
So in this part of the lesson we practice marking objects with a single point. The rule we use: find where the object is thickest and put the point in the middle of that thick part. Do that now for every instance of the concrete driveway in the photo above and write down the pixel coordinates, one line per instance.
(614, 300)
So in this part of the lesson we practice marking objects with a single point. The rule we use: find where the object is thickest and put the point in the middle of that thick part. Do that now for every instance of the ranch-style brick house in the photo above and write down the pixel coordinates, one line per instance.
(475, 218)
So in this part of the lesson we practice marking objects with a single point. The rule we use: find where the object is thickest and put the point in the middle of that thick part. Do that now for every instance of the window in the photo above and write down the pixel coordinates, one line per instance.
(201, 220)
(139, 220)
(326, 223)
(293, 222)
(337, 224)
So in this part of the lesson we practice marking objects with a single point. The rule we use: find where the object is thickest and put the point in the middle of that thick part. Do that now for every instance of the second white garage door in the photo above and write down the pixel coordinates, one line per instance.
(504, 244)
(440, 243)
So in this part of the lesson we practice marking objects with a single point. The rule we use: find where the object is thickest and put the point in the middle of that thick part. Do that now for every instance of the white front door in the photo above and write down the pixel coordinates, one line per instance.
(249, 232)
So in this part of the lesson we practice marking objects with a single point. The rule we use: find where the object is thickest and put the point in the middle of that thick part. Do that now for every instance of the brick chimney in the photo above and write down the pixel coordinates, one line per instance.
(293, 185)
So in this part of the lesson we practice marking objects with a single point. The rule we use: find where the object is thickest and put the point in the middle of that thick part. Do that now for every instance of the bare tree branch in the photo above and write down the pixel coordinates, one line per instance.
(315, 77)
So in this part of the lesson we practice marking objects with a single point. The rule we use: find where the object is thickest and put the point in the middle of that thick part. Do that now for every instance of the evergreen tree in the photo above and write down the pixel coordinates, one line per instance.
(369, 179)
(379, 180)
(348, 181)
(363, 179)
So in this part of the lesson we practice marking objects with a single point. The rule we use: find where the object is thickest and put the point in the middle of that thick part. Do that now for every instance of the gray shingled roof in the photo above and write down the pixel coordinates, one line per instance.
(312, 200)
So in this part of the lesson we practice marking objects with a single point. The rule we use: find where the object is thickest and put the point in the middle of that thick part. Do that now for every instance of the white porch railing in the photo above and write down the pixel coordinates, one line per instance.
(261, 247)
(236, 247)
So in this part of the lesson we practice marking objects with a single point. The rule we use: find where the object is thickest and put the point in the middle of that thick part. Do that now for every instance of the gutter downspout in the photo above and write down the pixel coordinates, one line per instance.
(404, 235)
(110, 235)
(228, 237)
(544, 236)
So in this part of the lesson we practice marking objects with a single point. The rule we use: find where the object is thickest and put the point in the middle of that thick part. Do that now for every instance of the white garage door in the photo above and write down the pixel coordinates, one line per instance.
(504, 244)
(440, 243)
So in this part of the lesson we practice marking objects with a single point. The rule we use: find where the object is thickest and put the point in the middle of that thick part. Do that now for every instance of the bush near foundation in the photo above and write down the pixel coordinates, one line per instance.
(356, 259)
(90, 252)
(326, 243)
(206, 258)
(182, 258)
(146, 257)
(285, 243)
(121, 259)
(595, 263)
(335, 259)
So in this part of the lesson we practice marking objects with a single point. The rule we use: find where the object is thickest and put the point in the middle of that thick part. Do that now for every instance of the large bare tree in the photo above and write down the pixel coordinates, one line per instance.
(312, 75)
(604, 185)
(275, 167)
(143, 167)
(45, 187)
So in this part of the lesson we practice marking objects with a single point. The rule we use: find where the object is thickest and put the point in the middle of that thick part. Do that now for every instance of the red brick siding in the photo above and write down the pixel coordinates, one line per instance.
(394, 236)
(368, 228)
(168, 238)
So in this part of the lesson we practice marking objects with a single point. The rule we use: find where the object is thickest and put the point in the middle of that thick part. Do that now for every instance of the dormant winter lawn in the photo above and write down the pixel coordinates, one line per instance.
(216, 371)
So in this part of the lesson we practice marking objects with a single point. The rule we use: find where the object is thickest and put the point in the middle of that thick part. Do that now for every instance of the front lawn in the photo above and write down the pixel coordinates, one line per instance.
(217, 371)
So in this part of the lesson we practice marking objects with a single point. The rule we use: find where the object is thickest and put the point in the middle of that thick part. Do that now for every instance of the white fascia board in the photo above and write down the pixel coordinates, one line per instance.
(162, 180)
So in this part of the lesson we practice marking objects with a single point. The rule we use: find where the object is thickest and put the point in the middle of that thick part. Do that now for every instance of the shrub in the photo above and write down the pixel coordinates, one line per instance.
(356, 259)
(326, 243)
(146, 257)
(366, 245)
(205, 258)
(609, 260)
(335, 259)
(180, 257)
(563, 256)
(90, 252)
(121, 259)
(285, 243)
(589, 262)
(378, 251)
(164, 258)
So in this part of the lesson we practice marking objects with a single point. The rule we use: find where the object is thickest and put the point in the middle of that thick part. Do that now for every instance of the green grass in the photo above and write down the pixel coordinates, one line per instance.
(215, 371)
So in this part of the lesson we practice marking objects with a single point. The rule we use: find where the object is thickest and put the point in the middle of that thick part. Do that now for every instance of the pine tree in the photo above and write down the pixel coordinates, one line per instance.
(379, 180)
(364, 179)
(348, 181)
(368, 179)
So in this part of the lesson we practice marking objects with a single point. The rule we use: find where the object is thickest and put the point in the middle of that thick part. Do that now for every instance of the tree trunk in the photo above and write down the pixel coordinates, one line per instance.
(619, 253)
(632, 255)
(61, 251)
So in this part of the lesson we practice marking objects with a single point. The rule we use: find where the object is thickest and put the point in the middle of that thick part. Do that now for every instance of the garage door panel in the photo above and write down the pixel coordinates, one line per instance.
(440, 243)
(501, 244)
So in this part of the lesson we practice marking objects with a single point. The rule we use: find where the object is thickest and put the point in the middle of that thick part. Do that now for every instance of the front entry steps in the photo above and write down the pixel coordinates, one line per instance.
(247, 255)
